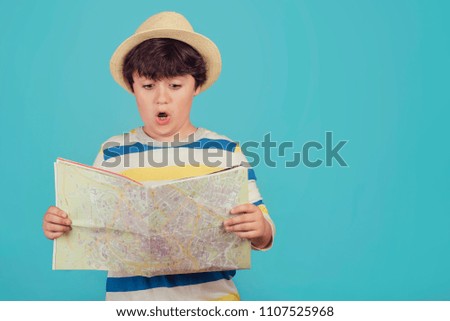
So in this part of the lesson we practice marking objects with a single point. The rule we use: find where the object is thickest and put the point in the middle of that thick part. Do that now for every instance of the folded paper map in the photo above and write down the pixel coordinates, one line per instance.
(171, 227)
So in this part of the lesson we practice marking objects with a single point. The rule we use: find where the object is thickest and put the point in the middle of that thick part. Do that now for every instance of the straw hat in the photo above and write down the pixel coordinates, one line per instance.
(168, 25)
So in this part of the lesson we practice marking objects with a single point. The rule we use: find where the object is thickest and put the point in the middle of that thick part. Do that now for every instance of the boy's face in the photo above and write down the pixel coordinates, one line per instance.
(165, 105)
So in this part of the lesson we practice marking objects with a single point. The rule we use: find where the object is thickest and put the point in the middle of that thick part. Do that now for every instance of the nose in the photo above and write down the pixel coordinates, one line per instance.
(162, 95)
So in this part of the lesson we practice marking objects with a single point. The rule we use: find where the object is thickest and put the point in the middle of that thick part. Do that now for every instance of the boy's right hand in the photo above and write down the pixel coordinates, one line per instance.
(56, 223)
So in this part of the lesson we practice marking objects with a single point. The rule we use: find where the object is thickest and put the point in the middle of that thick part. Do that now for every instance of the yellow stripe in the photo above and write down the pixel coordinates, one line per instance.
(144, 174)
(228, 297)
(237, 148)
(263, 208)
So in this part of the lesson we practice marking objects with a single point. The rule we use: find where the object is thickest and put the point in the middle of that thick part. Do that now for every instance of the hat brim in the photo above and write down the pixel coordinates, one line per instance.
(202, 44)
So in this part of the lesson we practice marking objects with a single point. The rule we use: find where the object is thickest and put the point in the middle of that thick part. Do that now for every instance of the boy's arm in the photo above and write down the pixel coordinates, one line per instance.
(252, 219)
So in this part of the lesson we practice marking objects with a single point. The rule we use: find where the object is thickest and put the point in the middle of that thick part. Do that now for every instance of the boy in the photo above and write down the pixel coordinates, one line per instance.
(165, 64)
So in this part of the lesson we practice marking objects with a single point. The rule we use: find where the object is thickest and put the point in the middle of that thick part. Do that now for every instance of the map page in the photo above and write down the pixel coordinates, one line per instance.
(174, 227)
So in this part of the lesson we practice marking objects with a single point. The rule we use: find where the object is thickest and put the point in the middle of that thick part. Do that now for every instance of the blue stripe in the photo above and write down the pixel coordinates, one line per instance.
(116, 151)
(258, 203)
(251, 174)
(203, 143)
(136, 283)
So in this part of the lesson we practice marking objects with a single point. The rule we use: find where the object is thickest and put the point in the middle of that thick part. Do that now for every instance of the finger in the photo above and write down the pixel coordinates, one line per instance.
(247, 235)
(51, 218)
(49, 227)
(243, 208)
(243, 218)
(243, 227)
(53, 235)
(57, 211)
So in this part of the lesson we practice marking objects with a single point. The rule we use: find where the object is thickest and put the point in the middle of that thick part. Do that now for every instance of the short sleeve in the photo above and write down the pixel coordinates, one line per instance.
(99, 159)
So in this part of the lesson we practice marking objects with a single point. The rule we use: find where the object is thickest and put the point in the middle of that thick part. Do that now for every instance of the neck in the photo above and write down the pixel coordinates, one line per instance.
(182, 135)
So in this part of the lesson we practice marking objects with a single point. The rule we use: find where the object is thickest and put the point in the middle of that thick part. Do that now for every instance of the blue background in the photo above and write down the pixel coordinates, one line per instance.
(375, 73)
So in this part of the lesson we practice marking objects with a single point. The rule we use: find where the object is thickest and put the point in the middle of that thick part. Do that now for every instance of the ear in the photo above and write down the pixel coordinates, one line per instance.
(197, 91)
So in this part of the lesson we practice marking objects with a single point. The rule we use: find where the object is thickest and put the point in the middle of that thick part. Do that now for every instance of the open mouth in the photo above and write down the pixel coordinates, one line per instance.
(162, 115)
(162, 118)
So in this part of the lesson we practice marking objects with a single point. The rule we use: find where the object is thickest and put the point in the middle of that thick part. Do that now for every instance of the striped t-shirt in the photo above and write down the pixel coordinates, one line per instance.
(138, 156)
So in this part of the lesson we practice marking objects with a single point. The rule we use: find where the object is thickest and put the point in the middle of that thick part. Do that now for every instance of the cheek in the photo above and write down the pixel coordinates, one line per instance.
(140, 100)
(187, 104)
(144, 108)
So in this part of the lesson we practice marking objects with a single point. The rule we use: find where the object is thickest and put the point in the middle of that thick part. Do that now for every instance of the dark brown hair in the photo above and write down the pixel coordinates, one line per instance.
(160, 58)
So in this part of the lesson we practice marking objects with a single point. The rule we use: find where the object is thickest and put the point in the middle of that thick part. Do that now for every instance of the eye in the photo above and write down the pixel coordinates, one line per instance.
(175, 86)
(148, 86)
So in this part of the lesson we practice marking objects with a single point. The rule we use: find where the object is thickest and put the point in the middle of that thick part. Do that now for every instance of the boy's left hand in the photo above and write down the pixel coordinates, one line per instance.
(250, 224)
